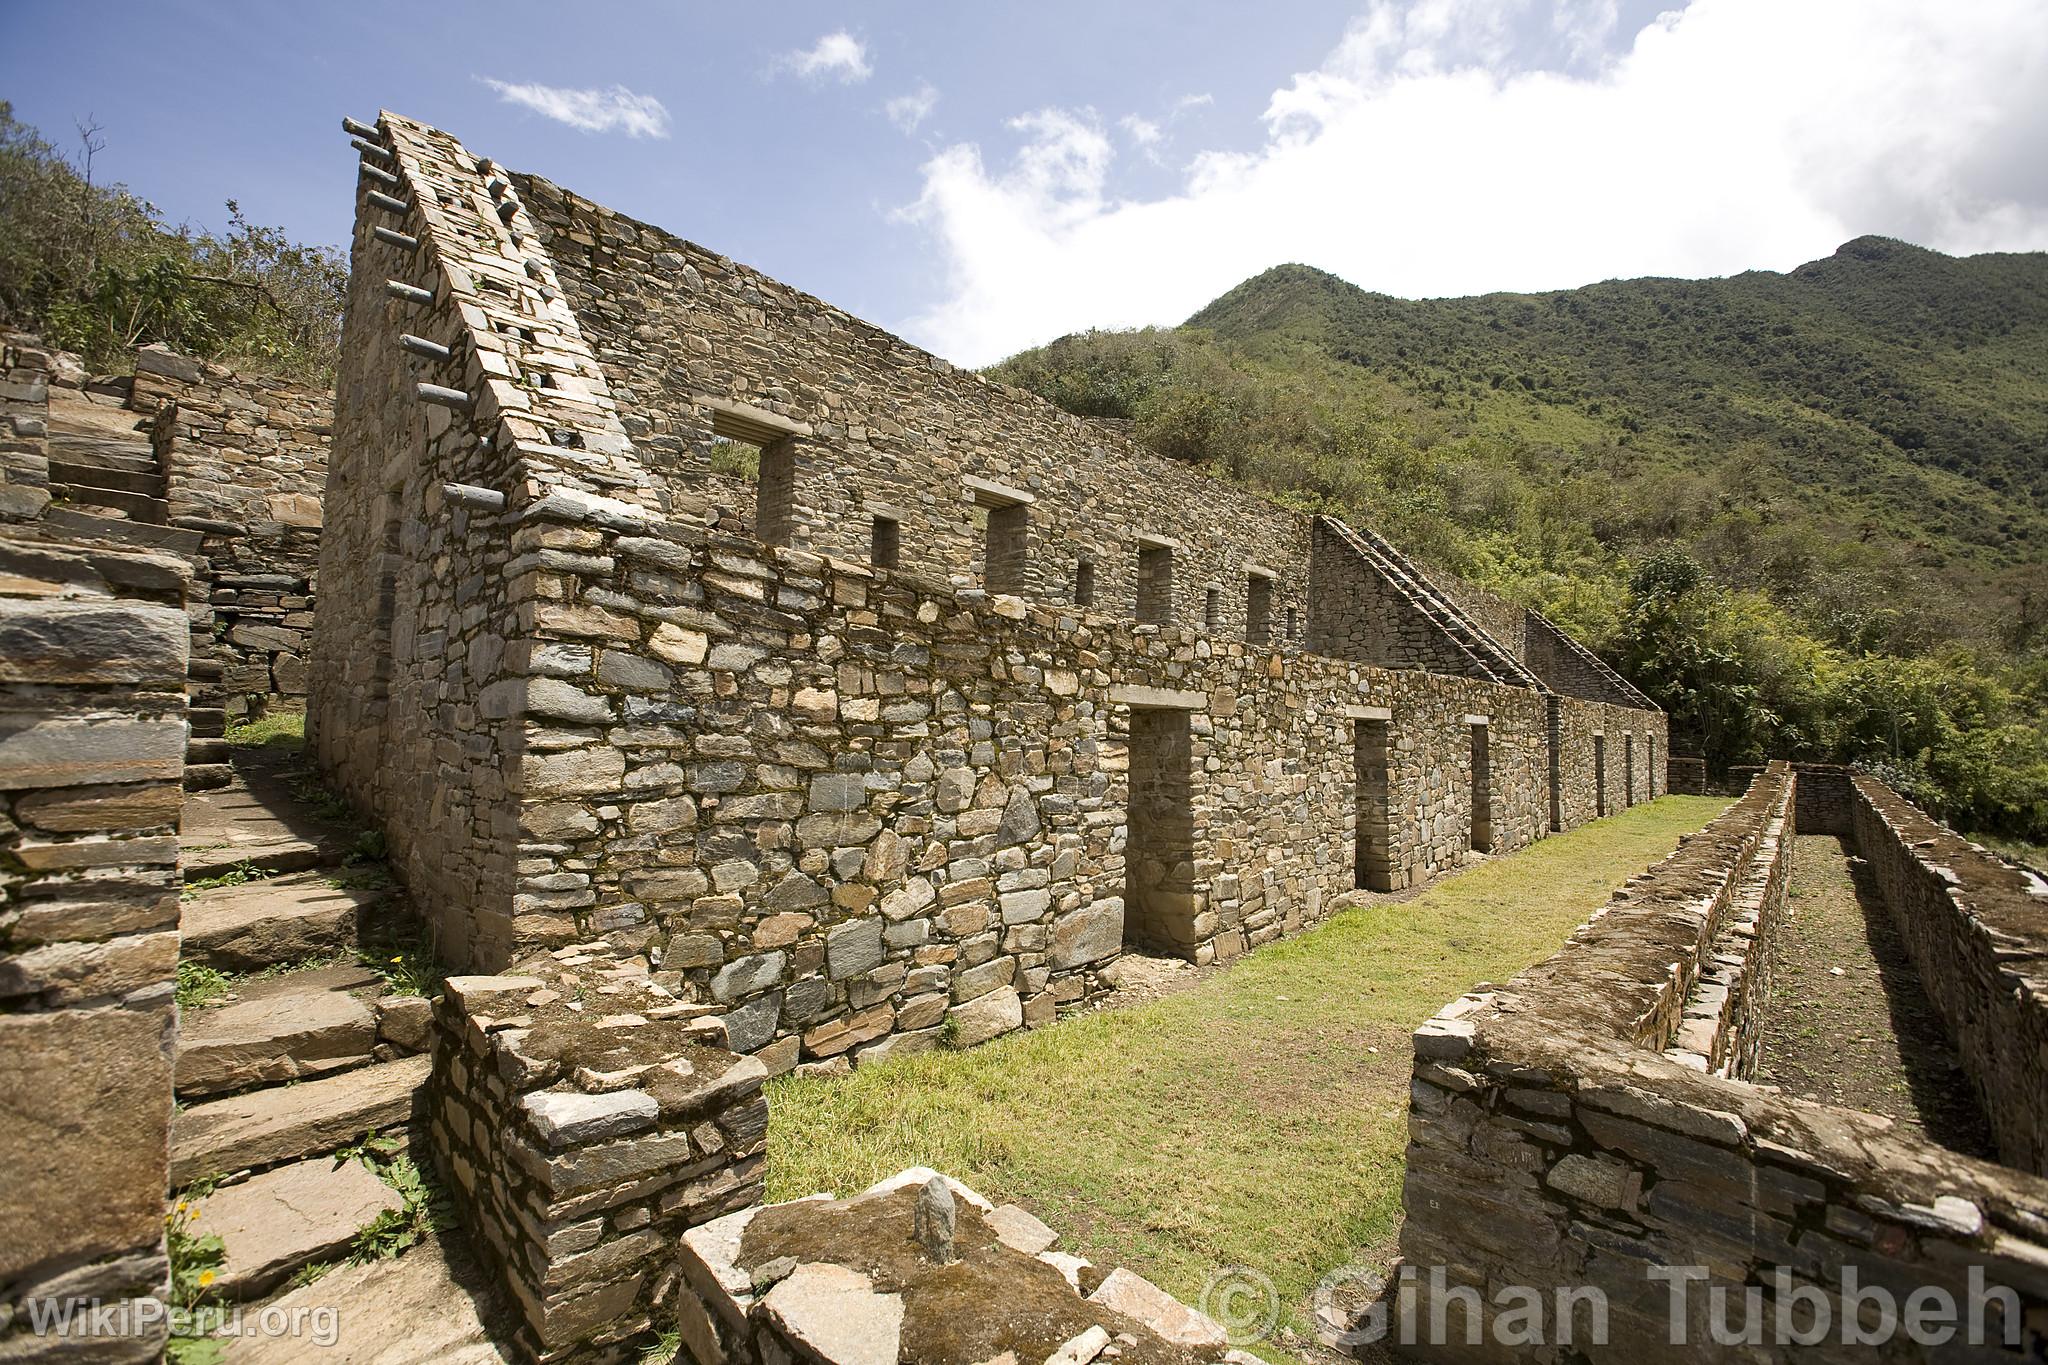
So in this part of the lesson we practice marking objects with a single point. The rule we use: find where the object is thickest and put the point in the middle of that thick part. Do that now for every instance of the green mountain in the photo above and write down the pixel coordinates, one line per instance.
(1833, 481)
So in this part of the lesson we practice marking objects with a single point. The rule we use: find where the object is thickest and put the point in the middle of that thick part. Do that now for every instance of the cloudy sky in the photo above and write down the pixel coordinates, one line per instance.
(982, 178)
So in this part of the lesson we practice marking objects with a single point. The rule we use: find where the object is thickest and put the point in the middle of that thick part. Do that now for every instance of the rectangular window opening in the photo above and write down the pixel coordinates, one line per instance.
(775, 510)
(1258, 609)
(885, 544)
(1006, 548)
(1212, 608)
(1084, 583)
(1155, 584)
(1628, 771)
(1293, 633)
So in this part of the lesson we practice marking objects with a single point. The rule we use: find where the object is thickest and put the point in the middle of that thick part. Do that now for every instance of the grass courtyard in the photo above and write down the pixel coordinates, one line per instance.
(1255, 1119)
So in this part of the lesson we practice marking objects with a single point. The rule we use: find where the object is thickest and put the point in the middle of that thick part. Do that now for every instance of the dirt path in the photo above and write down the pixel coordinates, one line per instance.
(1847, 1022)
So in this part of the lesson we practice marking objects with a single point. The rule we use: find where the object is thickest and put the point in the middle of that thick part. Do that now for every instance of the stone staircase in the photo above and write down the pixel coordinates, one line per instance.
(310, 1054)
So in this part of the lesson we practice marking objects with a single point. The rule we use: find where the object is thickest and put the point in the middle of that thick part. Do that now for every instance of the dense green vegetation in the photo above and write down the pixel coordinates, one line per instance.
(1804, 511)
(96, 270)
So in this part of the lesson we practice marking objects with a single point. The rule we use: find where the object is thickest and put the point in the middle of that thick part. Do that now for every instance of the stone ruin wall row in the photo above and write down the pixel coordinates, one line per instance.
(244, 459)
(896, 430)
(1586, 1124)
(835, 801)
(93, 652)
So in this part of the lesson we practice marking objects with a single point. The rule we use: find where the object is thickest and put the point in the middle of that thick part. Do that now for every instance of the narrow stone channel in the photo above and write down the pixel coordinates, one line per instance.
(1847, 1022)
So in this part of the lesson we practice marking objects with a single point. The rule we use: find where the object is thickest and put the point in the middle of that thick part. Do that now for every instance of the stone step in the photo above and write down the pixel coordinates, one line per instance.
(263, 924)
(428, 1305)
(89, 451)
(144, 481)
(208, 722)
(137, 507)
(203, 669)
(266, 1128)
(272, 1036)
(272, 1224)
(127, 532)
(200, 749)
(206, 777)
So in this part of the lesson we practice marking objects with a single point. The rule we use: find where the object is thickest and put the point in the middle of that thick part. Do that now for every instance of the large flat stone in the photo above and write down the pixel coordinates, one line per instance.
(427, 1307)
(84, 1108)
(836, 1314)
(1093, 932)
(92, 642)
(1138, 1298)
(288, 1123)
(276, 1038)
(990, 1016)
(262, 924)
(276, 1222)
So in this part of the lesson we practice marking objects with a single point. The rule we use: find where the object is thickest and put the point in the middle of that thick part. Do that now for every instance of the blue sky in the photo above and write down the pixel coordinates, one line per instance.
(984, 177)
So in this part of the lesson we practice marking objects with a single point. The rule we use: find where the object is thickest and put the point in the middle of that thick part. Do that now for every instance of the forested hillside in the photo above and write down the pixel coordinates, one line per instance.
(1806, 510)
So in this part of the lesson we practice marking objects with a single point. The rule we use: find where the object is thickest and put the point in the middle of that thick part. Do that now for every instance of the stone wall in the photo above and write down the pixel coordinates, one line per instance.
(843, 803)
(1567, 1133)
(24, 410)
(885, 429)
(244, 459)
(1976, 929)
(92, 739)
(1686, 776)
(1359, 614)
(1587, 784)
(582, 1144)
(856, 809)
(1826, 799)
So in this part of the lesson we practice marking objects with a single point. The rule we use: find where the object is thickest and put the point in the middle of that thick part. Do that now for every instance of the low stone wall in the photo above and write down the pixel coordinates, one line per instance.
(244, 459)
(24, 412)
(1686, 776)
(1977, 931)
(1826, 799)
(1554, 1149)
(92, 740)
(584, 1122)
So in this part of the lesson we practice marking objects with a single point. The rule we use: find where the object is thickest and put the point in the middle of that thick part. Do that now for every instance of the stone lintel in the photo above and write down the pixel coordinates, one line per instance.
(1252, 570)
(886, 509)
(1158, 698)
(1369, 712)
(745, 422)
(1479, 720)
(991, 494)
(1150, 541)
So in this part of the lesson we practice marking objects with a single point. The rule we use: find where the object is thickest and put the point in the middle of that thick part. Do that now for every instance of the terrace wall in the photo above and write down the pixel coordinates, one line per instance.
(1567, 1131)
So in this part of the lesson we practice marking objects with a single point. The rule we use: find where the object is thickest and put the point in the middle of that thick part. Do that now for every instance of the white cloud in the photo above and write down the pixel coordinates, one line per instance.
(1461, 146)
(590, 111)
(908, 111)
(1144, 132)
(838, 56)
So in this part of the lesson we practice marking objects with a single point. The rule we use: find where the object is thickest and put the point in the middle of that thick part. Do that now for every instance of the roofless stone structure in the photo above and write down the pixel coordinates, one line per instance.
(665, 605)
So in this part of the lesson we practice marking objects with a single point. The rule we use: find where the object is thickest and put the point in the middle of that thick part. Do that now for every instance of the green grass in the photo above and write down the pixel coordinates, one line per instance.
(1258, 1119)
(283, 729)
(2020, 850)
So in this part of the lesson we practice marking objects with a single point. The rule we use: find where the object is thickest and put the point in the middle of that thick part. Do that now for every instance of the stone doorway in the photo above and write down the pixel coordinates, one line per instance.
(1159, 900)
(1371, 840)
(1482, 790)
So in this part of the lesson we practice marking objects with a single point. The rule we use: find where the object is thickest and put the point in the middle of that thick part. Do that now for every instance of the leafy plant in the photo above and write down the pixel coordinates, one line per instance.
(196, 1260)
(425, 1209)
(240, 874)
(199, 985)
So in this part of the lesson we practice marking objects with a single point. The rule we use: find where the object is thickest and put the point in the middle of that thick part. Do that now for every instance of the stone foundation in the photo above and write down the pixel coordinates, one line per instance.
(1579, 1128)
(24, 449)
(583, 1123)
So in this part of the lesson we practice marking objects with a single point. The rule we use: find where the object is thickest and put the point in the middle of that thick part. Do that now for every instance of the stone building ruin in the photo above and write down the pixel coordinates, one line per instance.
(871, 701)
(736, 688)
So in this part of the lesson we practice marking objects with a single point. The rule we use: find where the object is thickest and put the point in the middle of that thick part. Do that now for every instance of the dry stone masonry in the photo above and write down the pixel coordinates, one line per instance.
(1589, 1124)
(832, 745)
(92, 743)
